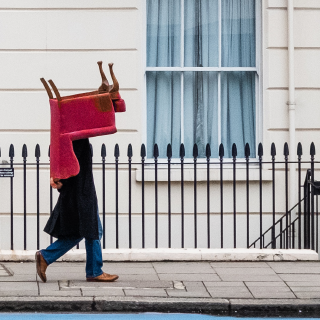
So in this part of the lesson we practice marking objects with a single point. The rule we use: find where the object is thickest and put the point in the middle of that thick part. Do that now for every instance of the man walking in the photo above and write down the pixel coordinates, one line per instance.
(75, 217)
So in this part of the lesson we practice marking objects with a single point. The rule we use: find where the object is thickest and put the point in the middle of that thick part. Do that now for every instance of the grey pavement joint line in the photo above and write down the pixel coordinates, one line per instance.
(248, 289)
(155, 271)
(215, 272)
(290, 289)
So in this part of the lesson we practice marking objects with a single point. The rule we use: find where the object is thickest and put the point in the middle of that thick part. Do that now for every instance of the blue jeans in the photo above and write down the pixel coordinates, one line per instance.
(93, 248)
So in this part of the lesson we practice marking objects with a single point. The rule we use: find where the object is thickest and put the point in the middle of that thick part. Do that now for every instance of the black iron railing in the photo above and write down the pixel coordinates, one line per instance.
(292, 229)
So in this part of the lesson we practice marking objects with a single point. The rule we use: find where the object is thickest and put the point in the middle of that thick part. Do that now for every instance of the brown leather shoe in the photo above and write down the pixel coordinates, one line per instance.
(105, 277)
(41, 266)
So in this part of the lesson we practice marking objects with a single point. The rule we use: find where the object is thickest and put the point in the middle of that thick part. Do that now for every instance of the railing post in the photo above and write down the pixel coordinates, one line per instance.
(260, 154)
(11, 156)
(182, 154)
(155, 156)
(273, 154)
(247, 155)
(234, 159)
(169, 156)
(286, 153)
(299, 153)
(129, 154)
(103, 158)
(312, 154)
(142, 155)
(37, 155)
(208, 155)
(116, 155)
(24, 156)
(221, 155)
(195, 155)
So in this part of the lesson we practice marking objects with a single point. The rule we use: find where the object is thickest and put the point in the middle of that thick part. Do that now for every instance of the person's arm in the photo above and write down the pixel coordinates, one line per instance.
(56, 183)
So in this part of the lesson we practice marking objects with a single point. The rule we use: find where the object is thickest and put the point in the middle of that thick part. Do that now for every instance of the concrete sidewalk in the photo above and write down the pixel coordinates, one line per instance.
(210, 287)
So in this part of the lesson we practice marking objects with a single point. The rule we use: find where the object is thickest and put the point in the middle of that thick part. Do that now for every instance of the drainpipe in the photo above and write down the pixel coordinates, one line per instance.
(291, 106)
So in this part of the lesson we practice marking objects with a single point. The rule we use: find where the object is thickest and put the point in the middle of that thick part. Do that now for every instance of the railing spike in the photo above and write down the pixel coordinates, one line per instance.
(103, 151)
(182, 152)
(11, 151)
(155, 151)
(299, 149)
(49, 151)
(24, 151)
(260, 150)
(129, 153)
(286, 149)
(234, 150)
(247, 150)
(195, 151)
(208, 151)
(116, 151)
(273, 149)
(143, 151)
(169, 151)
(312, 149)
(37, 151)
(221, 150)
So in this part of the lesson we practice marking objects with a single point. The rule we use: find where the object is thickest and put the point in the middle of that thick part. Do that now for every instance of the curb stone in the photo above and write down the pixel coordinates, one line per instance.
(232, 307)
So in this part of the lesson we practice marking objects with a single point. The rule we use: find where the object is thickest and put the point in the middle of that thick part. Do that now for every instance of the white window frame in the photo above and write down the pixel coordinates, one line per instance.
(182, 69)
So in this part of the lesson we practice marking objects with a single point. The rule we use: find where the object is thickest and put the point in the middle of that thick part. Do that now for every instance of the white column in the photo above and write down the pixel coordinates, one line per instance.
(291, 106)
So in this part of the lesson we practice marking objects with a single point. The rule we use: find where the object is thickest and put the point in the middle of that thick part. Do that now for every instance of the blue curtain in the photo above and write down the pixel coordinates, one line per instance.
(238, 105)
(201, 41)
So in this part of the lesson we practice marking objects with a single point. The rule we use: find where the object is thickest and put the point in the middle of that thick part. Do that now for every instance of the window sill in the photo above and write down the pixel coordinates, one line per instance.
(149, 175)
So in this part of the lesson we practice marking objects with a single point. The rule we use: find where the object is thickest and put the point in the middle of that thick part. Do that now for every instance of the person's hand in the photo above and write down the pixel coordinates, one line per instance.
(55, 183)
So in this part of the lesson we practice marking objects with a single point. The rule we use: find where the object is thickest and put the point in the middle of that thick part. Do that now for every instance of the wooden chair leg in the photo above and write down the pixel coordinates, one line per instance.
(44, 82)
(55, 90)
(104, 88)
(115, 86)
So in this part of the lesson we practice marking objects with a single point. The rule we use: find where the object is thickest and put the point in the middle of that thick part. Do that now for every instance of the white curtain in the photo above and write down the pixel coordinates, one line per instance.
(201, 49)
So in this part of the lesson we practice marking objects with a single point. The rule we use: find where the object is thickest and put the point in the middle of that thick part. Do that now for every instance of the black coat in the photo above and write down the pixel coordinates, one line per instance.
(75, 213)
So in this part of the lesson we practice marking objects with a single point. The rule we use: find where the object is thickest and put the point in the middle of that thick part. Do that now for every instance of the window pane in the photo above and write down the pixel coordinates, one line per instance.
(201, 112)
(238, 111)
(201, 36)
(163, 112)
(238, 39)
(163, 33)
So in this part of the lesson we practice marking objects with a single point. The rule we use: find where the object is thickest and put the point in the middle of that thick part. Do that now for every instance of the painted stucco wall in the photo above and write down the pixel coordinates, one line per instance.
(63, 39)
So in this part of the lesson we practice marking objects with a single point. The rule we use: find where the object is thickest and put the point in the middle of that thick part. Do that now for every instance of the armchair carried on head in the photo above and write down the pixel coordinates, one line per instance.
(80, 116)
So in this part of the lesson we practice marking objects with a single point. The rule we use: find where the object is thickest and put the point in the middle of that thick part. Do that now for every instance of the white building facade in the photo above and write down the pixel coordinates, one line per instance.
(214, 71)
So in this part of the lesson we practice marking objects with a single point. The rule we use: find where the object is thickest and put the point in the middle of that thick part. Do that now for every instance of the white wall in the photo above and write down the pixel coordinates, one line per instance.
(63, 40)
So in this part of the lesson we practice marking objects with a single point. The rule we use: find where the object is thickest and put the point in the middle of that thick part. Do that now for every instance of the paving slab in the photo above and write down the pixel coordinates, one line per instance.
(18, 286)
(305, 289)
(17, 293)
(303, 283)
(145, 292)
(223, 284)
(284, 269)
(189, 277)
(234, 271)
(101, 292)
(300, 277)
(133, 270)
(188, 294)
(308, 295)
(122, 283)
(229, 292)
(271, 292)
(243, 264)
(250, 277)
(265, 284)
